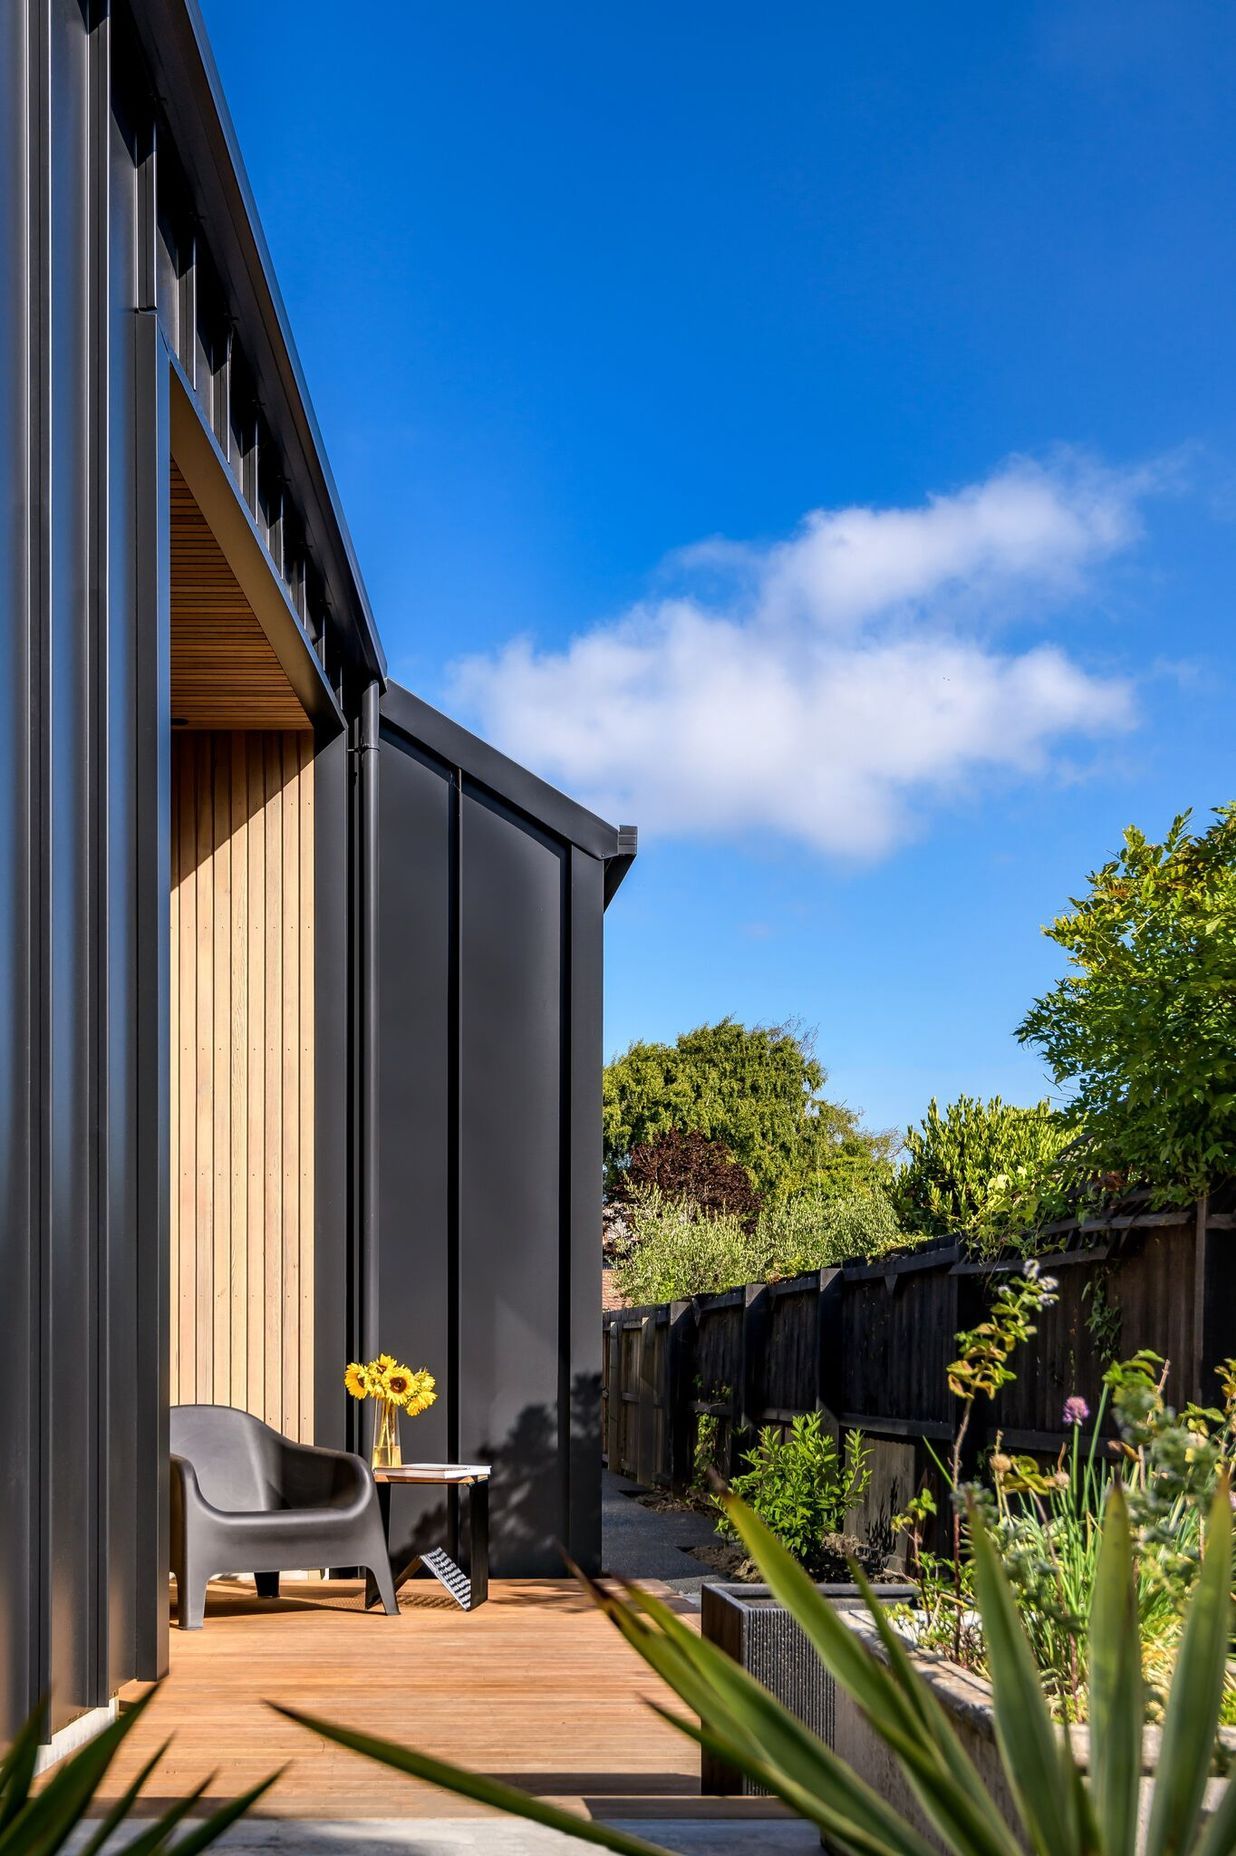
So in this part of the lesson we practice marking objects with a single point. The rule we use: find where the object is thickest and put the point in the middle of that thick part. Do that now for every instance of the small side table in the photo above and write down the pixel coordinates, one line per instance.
(468, 1588)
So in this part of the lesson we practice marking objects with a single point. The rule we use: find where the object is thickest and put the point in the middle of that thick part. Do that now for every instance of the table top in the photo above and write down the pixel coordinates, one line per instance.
(435, 1472)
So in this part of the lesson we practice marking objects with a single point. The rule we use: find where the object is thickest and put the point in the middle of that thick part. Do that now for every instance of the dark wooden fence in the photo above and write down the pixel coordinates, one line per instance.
(869, 1344)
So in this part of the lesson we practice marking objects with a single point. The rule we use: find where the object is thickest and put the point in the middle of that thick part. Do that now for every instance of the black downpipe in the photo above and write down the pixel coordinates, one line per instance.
(367, 1094)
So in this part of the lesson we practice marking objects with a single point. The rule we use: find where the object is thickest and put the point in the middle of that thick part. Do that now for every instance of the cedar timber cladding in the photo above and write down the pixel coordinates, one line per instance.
(243, 1086)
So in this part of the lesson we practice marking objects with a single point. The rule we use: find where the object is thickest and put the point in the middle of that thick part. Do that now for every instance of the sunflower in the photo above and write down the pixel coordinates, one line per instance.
(397, 1383)
(387, 1378)
(421, 1394)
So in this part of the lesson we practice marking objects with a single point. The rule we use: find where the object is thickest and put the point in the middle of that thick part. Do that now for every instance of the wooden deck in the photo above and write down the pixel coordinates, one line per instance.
(535, 1687)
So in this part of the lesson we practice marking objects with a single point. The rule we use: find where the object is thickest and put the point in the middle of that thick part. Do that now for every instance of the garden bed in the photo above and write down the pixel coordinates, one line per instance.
(966, 1699)
(830, 1566)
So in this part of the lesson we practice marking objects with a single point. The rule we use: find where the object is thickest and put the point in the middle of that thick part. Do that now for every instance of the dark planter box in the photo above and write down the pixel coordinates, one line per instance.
(755, 1629)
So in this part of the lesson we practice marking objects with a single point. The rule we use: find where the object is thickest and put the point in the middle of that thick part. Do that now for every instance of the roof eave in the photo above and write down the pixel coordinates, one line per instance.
(186, 82)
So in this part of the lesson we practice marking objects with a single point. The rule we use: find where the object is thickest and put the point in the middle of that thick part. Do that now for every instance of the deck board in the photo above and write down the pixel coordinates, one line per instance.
(535, 1687)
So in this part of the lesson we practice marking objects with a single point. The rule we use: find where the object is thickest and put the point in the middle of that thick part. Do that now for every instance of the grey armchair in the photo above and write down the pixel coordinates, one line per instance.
(245, 1499)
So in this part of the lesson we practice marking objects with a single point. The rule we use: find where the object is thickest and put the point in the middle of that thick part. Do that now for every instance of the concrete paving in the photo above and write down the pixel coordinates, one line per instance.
(489, 1836)
(639, 1543)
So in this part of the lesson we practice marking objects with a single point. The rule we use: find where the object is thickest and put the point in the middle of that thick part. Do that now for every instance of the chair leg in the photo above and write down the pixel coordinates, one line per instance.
(190, 1600)
(267, 1584)
(380, 1576)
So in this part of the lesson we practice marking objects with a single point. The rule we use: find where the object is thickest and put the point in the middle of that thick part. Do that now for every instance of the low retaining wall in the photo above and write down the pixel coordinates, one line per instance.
(967, 1701)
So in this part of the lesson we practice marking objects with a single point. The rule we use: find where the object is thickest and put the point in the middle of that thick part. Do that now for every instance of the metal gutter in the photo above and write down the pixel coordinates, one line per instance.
(617, 866)
(186, 81)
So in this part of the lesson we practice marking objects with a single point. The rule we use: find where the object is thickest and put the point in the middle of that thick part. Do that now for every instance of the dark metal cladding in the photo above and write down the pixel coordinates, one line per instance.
(83, 997)
(20, 1355)
(417, 1178)
(459, 899)
(489, 987)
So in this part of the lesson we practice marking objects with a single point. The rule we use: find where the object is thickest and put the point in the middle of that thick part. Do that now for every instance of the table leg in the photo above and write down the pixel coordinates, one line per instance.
(478, 1542)
(469, 1589)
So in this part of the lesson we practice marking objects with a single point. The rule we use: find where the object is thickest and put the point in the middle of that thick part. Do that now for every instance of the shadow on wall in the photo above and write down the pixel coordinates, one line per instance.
(543, 1491)
(892, 1484)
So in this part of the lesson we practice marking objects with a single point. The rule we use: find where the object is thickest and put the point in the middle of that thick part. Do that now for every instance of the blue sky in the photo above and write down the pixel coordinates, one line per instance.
(810, 432)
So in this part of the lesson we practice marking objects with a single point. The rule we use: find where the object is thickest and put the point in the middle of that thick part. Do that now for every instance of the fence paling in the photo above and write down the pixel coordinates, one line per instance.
(869, 1344)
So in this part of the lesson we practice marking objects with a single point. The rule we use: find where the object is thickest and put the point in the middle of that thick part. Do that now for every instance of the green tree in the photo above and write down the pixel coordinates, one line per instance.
(1142, 1031)
(758, 1089)
(954, 1157)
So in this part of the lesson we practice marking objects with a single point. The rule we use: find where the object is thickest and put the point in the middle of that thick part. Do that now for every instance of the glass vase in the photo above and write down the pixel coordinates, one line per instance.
(386, 1452)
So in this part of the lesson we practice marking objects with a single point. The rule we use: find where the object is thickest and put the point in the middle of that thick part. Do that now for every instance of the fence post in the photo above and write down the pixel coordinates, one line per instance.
(749, 1392)
(613, 1413)
(604, 1387)
(830, 1386)
(974, 1293)
(1214, 1304)
(680, 1394)
(646, 1410)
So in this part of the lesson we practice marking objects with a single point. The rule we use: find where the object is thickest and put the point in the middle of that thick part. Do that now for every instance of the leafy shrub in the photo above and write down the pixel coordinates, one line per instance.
(1142, 1031)
(980, 1168)
(801, 1486)
(812, 1231)
(706, 1453)
(674, 1249)
(690, 1166)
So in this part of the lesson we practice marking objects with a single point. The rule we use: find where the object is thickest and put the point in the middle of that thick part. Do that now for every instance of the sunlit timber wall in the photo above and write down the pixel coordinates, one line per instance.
(242, 1077)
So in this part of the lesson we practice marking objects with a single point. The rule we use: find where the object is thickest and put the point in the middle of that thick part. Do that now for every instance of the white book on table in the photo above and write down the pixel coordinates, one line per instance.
(437, 1472)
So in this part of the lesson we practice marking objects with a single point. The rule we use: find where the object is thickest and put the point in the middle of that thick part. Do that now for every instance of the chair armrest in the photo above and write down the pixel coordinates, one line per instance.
(185, 1485)
(316, 1477)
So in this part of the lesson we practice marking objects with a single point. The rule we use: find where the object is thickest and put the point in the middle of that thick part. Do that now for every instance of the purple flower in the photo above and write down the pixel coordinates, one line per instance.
(1076, 1410)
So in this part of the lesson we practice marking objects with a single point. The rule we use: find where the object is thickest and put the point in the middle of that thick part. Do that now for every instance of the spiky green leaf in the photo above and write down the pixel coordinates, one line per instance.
(1117, 1701)
(1036, 1758)
(1189, 1727)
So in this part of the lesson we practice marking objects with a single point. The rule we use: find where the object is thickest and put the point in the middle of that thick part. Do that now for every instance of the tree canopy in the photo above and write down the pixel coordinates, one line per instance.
(1142, 1030)
(757, 1089)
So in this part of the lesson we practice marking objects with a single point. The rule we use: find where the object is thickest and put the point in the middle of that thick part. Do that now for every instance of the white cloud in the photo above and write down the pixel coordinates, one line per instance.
(844, 677)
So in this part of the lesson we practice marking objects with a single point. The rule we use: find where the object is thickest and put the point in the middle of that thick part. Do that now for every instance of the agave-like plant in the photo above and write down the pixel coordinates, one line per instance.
(36, 1822)
(1060, 1810)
